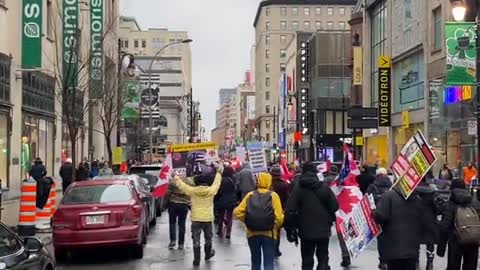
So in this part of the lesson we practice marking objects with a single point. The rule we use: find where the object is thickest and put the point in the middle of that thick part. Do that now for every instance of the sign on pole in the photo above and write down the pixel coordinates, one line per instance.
(357, 65)
(257, 158)
(472, 127)
(70, 43)
(32, 34)
(461, 53)
(384, 91)
(414, 161)
(96, 48)
(117, 156)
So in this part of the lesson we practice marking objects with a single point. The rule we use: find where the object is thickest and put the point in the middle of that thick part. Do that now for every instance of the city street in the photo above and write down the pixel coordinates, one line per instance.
(233, 254)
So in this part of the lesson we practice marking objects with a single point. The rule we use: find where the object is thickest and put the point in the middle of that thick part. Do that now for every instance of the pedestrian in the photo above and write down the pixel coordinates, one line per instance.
(38, 170)
(225, 202)
(459, 210)
(201, 198)
(332, 174)
(261, 211)
(445, 173)
(469, 173)
(82, 172)
(311, 210)
(105, 170)
(377, 189)
(94, 169)
(365, 179)
(246, 180)
(178, 205)
(402, 227)
(66, 173)
(281, 187)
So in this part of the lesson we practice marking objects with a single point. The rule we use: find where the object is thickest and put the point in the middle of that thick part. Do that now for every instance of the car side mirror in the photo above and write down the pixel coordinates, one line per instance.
(32, 244)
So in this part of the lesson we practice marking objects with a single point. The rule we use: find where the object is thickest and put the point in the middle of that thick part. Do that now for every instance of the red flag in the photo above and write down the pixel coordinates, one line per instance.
(286, 173)
(164, 178)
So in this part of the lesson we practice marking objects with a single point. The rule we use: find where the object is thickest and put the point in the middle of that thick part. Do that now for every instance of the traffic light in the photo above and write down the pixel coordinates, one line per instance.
(275, 148)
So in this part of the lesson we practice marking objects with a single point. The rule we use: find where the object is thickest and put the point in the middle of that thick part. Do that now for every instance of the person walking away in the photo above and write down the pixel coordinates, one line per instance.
(38, 170)
(94, 169)
(445, 173)
(225, 202)
(82, 172)
(311, 209)
(469, 173)
(377, 189)
(66, 173)
(246, 180)
(462, 243)
(428, 194)
(402, 224)
(261, 211)
(201, 198)
(281, 187)
(105, 170)
(365, 179)
(178, 205)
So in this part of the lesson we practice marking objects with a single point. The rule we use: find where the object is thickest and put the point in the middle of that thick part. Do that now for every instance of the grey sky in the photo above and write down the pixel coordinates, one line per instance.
(222, 32)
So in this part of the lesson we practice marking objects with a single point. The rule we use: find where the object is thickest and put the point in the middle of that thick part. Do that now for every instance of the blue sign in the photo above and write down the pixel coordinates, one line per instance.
(256, 156)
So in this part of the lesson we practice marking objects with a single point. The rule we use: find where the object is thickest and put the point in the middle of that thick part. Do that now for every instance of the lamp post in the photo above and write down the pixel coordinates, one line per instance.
(459, 11)
(150, 122)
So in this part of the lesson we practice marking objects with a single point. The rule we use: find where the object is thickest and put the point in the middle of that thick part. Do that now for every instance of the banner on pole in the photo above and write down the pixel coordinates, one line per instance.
(96, 49)
(71, 40)
(131, 107)
(117, 156)
(461, 53)
(32, 25)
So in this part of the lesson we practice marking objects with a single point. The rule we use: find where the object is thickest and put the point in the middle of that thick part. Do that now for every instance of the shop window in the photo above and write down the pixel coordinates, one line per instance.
(38, 92)
(409, 83)
(5, 63)
(4, 150)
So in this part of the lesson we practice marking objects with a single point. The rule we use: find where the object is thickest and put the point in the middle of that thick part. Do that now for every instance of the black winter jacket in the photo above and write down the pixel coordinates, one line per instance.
(364, 180)
(402, 224)
(66, 172)
(427, 194)
(311, 208)
(38, 171)
(226, 197)
(380, 185)
(282, 189)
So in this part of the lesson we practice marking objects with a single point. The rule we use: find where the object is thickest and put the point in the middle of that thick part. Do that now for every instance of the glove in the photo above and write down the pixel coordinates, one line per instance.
(292, 235)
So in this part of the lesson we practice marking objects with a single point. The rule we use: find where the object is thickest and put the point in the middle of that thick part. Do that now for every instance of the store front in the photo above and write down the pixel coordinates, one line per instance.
(5, 108)
(38, 128)
(376, 150)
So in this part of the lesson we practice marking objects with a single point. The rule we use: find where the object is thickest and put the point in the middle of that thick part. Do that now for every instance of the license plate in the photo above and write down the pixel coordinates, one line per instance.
(92, 220)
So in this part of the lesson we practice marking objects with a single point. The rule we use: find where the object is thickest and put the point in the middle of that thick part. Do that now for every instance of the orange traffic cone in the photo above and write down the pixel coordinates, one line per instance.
(27, 213)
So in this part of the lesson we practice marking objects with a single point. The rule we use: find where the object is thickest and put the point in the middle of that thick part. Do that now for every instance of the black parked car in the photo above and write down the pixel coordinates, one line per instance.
(23, 254)
(151, 173)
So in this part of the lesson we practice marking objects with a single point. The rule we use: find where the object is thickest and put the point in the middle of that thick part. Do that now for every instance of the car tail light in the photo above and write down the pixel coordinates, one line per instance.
(132, 215)
(59, 221)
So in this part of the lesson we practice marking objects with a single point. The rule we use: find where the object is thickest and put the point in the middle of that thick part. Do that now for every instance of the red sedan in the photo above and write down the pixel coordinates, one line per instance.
(106, 213)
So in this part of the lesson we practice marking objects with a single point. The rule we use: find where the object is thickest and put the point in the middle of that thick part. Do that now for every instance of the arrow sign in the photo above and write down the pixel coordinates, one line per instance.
(384, 61)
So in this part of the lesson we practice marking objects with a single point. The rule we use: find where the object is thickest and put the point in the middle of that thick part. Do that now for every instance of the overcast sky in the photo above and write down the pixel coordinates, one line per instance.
(222, 34)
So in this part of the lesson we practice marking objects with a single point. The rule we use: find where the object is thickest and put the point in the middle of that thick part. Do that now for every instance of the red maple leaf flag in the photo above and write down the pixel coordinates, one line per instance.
(164, 177)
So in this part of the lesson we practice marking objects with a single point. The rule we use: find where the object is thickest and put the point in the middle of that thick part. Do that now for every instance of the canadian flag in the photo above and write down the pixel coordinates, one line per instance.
(164, 177)
(286, 174)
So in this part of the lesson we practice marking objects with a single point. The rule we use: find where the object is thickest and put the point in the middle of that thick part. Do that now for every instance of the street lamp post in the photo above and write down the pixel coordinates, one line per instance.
(459, 10)
(150, 122)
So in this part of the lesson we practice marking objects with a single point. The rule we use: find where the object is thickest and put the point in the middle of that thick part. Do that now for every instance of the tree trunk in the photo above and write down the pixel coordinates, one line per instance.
(73, 150)
(109, 149)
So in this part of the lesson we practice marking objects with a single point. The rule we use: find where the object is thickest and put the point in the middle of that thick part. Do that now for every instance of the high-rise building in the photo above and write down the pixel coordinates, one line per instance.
(276, 23)
(226, 95)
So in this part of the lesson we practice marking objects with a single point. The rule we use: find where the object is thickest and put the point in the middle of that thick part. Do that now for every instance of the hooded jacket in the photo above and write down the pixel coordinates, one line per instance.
(226, 197)
(264, 185)
(175, 195)
(380, 185)
(38, 170)
(246, 180)
(427, 194)
(201, 198)
(281, 187)
(364, 180)
(311, 208)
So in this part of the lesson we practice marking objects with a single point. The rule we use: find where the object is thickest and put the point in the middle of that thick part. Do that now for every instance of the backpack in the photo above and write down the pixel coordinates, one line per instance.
(467, 225)
(260, 214)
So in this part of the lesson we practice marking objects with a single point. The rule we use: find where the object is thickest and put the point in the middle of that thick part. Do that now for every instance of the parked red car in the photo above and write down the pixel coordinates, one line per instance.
(100, 214)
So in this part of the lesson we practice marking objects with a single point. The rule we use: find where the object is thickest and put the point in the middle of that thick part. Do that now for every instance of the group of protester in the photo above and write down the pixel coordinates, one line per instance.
(84, 171)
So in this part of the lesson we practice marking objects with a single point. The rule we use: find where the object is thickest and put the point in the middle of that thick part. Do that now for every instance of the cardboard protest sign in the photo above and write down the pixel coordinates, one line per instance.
(183, 154)
(257, 158)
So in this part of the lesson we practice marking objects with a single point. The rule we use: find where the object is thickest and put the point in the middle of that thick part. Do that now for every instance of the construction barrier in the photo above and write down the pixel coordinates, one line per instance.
(44, 215)
(53, 199)
(27, 213)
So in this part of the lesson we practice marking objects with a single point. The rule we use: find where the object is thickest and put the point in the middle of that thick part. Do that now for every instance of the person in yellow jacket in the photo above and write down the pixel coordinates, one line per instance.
(201, 200)
(261, 240)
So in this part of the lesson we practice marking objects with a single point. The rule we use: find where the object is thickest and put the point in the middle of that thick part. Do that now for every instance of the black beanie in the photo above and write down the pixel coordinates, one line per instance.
(309, 167)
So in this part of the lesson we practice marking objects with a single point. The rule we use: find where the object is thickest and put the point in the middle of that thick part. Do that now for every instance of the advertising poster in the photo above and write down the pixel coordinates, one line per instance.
(359, 229)
(183, 155)
(257, 158)
(131, 108)
(414, 161)
(461, 54)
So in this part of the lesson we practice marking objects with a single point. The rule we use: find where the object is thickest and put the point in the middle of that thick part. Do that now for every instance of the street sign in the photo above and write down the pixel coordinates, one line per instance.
(362, 123)
(472, 127)
(384, 61)
(149, 100)
(360, 112)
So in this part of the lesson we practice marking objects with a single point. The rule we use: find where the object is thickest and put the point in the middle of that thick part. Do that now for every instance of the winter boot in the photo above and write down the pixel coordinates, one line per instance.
(209, 252)
(430, 257)
(345, 262)
(172, 244)
(196, 256)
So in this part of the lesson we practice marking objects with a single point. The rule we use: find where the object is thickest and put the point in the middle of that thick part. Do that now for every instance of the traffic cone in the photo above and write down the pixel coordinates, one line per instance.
(44, 215)
(53, 199)
(27, 212)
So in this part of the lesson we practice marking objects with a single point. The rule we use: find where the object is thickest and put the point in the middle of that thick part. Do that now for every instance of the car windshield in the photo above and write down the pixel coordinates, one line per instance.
(98, 194)
(152, 180)
(8, 243)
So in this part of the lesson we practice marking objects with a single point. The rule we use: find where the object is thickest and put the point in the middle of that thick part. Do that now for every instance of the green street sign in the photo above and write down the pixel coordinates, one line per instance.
(71, 40)
(32, 34)
(96, 48)
(461, 53)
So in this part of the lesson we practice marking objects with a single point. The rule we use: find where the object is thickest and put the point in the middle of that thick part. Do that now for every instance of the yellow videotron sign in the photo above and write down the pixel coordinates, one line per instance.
(384, 91)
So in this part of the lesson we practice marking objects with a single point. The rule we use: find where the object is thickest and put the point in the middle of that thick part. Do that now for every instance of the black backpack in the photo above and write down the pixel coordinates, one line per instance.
(260, 214)
(467, 225)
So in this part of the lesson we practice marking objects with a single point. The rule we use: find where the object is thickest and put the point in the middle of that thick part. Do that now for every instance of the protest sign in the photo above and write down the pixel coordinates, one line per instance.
(241, 154)
(184, 154)
(257, 158)
(359, 229)
(413, 162)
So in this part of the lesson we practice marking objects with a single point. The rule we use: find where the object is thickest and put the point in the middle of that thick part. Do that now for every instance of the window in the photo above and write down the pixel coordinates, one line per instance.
(341, 25)
(295, 11)
(318, 11)
(267, 81)
(283, 39)
(437, 28)
(267, 136)
(49, 18)
(318, 25)
(283, 25)
(282, 67)
(306, 11)
(283, 53)
(9, 245)
(306, 25)
(378, 40)
(267, 68)
(135, 43)
(341, 11)
(267, 54)
(267, 11)
(144, 44)
(162, 121)
(125, 43)
(330, 11)
(267, 124)
(283, 11)
(267, 95)
(267, 39)
(295, 25)
(98, 194)
(329, 25)
(267, 109)
(5, 151)
(267, 25)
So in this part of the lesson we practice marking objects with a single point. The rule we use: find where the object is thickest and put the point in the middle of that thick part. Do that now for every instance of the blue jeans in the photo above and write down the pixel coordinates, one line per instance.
(259, 245)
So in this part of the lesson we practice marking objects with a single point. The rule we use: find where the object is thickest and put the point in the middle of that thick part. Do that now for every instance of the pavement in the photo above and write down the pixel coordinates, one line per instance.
(231, 254)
